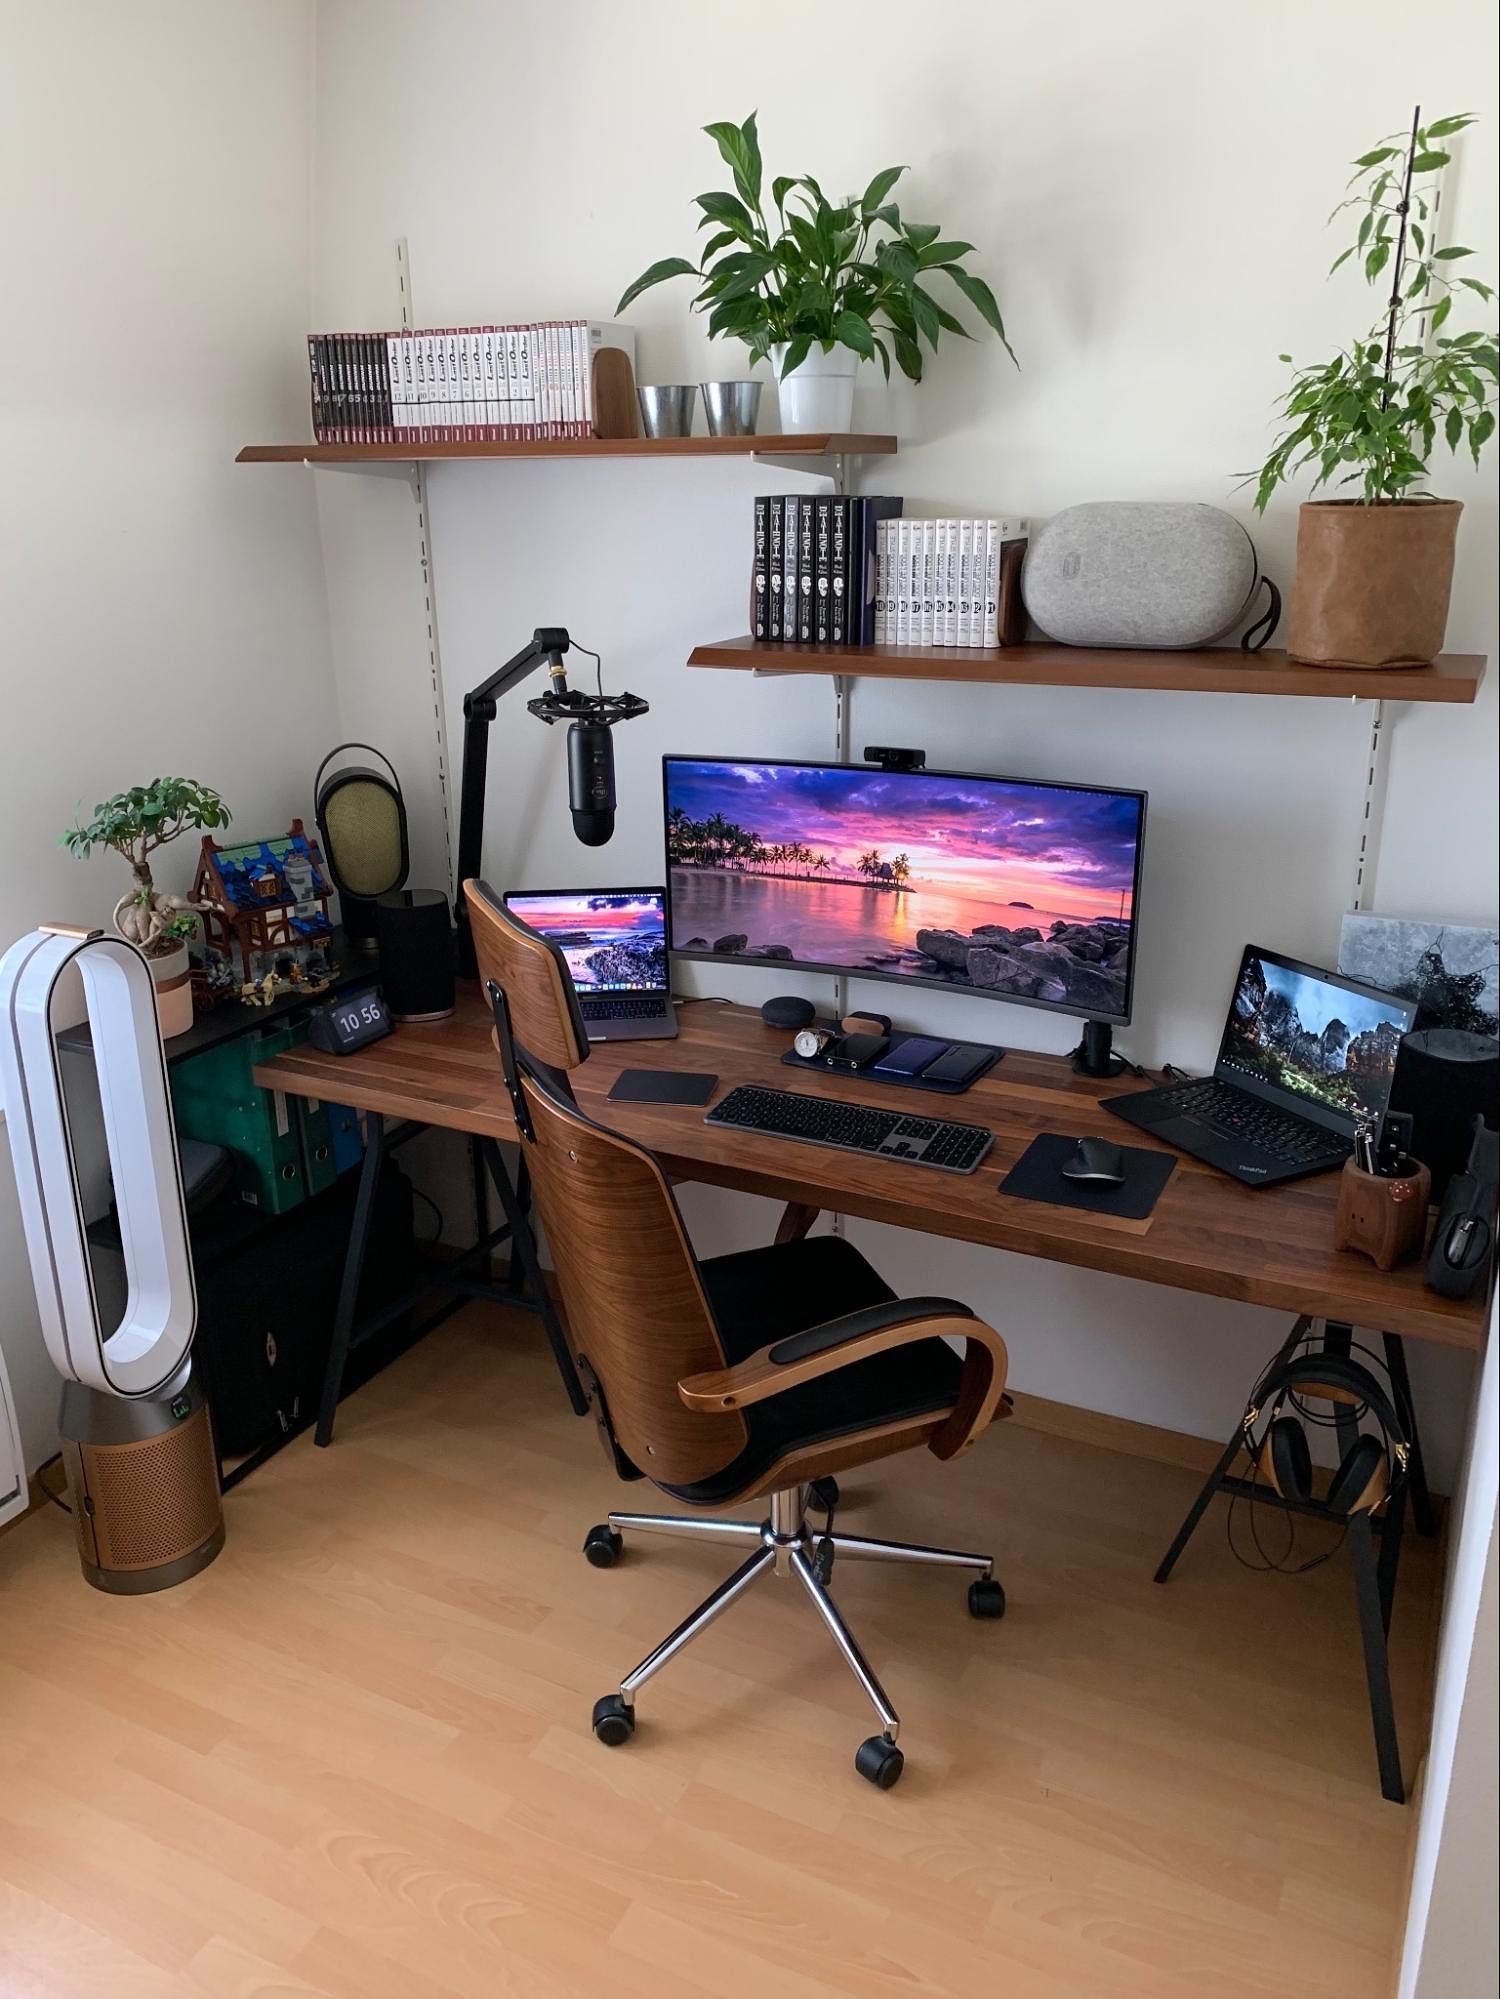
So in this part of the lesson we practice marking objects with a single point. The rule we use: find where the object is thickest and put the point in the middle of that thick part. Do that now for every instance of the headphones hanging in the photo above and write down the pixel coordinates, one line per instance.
(1368, 1470)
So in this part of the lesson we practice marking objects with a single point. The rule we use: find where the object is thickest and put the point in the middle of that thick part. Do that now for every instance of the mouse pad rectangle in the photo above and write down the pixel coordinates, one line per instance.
(1037, 1176)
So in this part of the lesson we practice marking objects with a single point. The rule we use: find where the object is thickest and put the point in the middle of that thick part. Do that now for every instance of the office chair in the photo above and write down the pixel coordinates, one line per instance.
(739, 1378)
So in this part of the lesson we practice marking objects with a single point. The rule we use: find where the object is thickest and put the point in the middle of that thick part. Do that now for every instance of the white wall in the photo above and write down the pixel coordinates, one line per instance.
(1450, 1947)
(163, 611)
(1148, 188)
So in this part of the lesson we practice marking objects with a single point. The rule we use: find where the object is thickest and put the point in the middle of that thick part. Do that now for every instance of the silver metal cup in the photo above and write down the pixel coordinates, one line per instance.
(731, 408)
(667, 409)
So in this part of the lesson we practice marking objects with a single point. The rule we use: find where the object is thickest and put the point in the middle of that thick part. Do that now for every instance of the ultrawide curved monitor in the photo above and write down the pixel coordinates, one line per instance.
(1000, 886)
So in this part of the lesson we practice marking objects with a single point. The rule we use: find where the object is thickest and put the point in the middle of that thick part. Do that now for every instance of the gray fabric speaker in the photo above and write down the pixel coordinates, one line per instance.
(1139, 573)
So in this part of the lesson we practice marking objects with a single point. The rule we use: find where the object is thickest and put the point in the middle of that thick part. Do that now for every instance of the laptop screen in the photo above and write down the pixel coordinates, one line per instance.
(1316, 1042)
(615, 940)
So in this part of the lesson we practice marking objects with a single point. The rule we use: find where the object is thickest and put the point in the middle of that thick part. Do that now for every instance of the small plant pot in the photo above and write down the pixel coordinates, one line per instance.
(172, 978)
(1372, 582)
(818, 395)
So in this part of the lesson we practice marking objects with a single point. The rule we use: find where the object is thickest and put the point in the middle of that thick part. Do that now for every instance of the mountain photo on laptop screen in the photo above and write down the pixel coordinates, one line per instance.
(1315, 1039)
(612, 942)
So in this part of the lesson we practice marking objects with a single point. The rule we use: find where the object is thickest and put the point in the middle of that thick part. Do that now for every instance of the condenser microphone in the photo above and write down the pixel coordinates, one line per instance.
(591, 781)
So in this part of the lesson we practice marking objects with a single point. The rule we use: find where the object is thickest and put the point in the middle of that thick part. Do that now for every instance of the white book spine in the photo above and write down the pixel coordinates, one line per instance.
(939, 558)
(882, 581)
(393, 377)
(512, 373)
(422, 381)
(926, 591)
(437, 387)
(487, 339)
(902, 607)
(950, 583)
(578, 343)
(963, 585)
(478, 409)
(991, 633)
(456, 388)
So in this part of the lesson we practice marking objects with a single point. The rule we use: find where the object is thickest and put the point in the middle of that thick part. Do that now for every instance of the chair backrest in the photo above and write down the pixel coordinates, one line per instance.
(638, 1318)
(533, 974)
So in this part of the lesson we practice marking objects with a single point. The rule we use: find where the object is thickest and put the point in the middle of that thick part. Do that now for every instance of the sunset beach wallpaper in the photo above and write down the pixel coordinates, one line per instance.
(1022, 890)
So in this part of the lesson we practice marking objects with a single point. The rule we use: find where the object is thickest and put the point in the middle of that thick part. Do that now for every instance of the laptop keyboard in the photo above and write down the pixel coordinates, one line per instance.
(1235, 1114)
(650, 1007)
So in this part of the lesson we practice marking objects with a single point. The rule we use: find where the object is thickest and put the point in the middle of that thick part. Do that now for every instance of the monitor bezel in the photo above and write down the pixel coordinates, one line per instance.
(911, 979)
(1324, 1115)
(605, 992)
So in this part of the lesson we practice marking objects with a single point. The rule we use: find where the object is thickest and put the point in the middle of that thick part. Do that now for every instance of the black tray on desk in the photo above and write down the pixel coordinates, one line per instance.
(816, 1063)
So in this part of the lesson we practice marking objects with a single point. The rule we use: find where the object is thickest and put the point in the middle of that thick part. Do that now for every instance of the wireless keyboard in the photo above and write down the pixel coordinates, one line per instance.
(916, 1141)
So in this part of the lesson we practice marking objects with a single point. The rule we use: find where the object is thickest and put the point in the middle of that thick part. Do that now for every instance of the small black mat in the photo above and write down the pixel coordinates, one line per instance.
(1037, 1176)
(663, 1086)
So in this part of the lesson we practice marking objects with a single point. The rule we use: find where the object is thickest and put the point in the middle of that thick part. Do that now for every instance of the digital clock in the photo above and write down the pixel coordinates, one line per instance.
(351, 1021)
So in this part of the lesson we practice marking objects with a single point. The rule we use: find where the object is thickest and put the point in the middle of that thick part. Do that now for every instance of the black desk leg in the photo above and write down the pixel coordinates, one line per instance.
(523, 1244)
(1423, 1517)
(1216, 1477)
(354, 1270)
(516, 1277)
(1377, 1661)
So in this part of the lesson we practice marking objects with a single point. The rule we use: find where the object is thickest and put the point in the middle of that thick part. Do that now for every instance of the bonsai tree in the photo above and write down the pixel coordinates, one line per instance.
(850, 273)
(1370, 417)
(134, 824)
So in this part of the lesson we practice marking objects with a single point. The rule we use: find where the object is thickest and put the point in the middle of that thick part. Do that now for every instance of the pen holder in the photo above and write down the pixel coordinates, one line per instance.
(1385, 1220)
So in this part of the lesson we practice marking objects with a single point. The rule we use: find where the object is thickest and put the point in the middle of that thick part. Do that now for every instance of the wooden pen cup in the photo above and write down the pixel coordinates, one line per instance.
(1385, 1220)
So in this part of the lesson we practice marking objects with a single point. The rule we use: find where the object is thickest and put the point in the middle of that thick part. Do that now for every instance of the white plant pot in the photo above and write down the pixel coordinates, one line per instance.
(172, 977)
(818, 395)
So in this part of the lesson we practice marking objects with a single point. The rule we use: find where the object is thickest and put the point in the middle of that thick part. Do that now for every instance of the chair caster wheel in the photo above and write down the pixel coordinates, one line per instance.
(879, 1761)
(986, 1598)
(614, 1722)
(824, 1493)
(603, 1547)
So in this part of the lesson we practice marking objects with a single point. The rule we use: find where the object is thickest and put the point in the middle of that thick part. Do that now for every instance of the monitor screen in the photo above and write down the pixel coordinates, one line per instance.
(1018, 890)
(615, 940)
(1326, 1040)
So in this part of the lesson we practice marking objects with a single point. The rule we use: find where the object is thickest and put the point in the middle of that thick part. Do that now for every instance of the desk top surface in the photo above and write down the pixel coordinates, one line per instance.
(1271, 1247)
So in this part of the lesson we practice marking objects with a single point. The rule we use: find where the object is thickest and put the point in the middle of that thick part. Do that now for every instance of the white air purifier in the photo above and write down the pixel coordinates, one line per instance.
(142, 1472)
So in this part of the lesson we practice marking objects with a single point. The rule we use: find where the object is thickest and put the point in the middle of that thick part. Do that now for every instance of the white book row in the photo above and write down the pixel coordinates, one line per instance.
(937, 582)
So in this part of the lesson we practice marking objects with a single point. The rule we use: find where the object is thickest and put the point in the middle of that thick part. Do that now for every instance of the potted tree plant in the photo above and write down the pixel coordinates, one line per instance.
(134, 824)
(1374, 572)
(832, 283)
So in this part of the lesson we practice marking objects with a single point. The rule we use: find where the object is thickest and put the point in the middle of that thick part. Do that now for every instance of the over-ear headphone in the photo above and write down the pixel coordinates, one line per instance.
(1369, 1468)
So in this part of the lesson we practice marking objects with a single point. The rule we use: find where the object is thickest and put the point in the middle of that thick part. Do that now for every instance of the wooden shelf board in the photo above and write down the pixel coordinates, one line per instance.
(1454, 677)
(819, 444)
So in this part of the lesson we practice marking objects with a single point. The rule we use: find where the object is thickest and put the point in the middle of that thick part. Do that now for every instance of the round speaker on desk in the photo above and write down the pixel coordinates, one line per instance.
(1443, 1076)
(415, 934)
(362, 824)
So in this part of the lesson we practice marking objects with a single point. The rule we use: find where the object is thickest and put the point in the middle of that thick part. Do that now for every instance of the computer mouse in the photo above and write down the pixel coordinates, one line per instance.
(1098, 1162)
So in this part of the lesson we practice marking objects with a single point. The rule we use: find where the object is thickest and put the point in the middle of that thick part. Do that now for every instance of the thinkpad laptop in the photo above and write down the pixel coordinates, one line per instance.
(615, 942)
(1303, 1052)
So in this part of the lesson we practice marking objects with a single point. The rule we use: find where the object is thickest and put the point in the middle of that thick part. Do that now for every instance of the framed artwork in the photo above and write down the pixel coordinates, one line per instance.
(1451, 969)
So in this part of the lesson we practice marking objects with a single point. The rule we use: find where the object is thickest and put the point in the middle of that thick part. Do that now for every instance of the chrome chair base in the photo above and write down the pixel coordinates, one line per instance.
(783, 1544)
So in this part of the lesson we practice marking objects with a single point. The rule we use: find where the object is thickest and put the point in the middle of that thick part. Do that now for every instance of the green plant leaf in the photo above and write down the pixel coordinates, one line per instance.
(780, 187)
(724, 208)
(941, 252)
(750, 140)
(1364, 231)
(1376, 261)
(1481, 430)
(1419, 236)
(1446, 127)
(796, 353)
(1453, 428)
(899, 260)
(924, 311)
(979, 295)
(1450, 251)
(1428, 163)
(920, 234)
(1478, 285)
(1441, 310)
(720, 242)
(668, 267)
(908, 357)
(1342, 258)
(1373, 159)
(880, 186)
(885, 354)
(849, 330)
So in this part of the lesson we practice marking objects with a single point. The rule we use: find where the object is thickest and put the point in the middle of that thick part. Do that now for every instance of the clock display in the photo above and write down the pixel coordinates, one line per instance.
(352, 1021)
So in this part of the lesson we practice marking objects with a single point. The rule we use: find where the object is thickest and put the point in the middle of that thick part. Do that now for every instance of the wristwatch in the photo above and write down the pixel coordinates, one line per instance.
(810, 1042)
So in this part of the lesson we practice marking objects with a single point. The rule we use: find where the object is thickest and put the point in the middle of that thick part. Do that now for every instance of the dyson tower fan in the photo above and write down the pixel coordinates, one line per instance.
(135, 1428)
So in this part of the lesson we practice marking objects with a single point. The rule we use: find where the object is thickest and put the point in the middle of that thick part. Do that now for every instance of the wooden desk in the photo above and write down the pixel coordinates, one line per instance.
(1270, 1247)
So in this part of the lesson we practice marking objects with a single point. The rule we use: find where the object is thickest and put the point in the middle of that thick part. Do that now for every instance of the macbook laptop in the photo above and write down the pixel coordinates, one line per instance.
(615, 942)
(1303, 1051)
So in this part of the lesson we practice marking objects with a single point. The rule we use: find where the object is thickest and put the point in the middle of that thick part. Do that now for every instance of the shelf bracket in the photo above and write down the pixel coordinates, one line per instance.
(405, 469)
(821, 465)
(1377, 759)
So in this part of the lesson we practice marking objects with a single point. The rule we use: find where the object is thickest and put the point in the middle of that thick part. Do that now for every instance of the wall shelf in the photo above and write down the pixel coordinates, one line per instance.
(818, 444)
(1453, 678)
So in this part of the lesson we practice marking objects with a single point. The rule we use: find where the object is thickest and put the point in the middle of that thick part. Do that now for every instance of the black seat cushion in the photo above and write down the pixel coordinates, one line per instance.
(760, 1296)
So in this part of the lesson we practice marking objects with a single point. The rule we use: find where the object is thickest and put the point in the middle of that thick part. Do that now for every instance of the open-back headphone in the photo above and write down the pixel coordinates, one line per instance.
(1369, 1469)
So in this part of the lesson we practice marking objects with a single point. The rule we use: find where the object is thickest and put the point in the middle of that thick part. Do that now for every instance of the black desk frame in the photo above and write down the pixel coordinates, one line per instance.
(1374, 1574)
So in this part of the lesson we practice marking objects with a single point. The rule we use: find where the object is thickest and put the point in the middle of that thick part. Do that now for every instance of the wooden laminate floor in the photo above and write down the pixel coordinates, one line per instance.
(353, 1758)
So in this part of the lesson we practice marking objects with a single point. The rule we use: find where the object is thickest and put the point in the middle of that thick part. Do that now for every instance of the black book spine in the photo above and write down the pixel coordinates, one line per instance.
(822, 610)
(790, 536)
(340, 388)
(758, 570)
(383, 367)
(806, 572)
(840, 572)
(359, 354)
(315, 396)
(775, 521)
(375, 375)
(873, 508)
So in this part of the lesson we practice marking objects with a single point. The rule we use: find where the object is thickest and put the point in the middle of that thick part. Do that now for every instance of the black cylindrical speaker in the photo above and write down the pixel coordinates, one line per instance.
(415, 936)
(1445, 1075)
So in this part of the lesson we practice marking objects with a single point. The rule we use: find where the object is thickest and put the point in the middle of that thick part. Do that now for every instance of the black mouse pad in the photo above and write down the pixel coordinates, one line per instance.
(663, 1086)
(1037, 1176)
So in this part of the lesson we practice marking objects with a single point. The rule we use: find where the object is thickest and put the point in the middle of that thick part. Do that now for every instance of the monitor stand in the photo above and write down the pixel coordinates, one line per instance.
(1094, 1055)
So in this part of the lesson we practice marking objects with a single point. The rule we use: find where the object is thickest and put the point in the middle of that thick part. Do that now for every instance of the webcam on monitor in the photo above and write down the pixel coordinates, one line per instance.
(895, 759)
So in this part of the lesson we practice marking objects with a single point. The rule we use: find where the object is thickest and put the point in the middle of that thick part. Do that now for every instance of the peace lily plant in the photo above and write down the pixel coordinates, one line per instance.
(823, 284)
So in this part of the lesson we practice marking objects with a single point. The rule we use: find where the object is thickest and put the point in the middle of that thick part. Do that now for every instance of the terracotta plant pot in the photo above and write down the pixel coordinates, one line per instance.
(172, 977)
(1372, 582)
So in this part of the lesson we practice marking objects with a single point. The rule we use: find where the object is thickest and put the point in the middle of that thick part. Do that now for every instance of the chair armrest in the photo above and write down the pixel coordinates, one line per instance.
(857, 1336)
